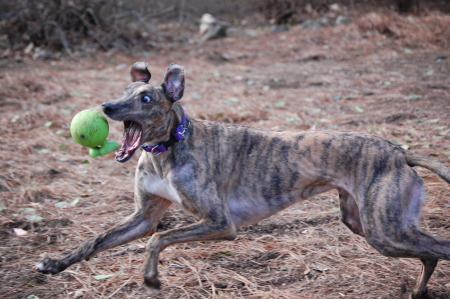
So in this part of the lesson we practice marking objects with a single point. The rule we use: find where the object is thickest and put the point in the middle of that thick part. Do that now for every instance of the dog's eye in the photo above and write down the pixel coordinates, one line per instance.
(146, 99)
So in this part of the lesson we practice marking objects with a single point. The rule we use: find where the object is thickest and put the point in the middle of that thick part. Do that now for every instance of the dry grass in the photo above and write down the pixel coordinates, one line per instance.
(339, 78)
(426, 31)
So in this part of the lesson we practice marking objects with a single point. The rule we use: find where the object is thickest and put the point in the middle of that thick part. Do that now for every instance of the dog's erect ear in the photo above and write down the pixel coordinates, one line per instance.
(173, 83)
(139, 72)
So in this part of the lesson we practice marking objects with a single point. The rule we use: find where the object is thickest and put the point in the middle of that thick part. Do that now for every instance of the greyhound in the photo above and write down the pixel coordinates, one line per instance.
(229, 176)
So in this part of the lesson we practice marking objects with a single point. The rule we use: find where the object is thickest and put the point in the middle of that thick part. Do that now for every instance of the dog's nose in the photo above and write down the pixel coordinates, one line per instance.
(107, 108)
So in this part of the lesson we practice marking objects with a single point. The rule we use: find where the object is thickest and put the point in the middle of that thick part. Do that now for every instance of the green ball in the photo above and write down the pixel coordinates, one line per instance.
(89, 128)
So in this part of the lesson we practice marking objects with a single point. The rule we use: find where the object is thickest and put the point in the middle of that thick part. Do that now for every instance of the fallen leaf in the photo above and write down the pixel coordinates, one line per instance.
(231, 101)
(280, 104)
(443, 133)
(20, 232)
(33, 217)
(44, 151)
(61, 204)
(196, 95)
(359, 109)
(16, 119)
(413, 96)
(78, 293)
(121, 66)
(408, 51)
(318, 267)
(104, 276)
(81, 95)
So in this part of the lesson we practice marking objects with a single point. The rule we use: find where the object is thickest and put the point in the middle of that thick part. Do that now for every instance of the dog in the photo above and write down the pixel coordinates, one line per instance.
(229, 176)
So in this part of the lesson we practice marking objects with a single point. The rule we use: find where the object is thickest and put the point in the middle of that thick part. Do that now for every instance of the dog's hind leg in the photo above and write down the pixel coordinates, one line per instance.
(390, 219)
(142, 223)
(428, 266)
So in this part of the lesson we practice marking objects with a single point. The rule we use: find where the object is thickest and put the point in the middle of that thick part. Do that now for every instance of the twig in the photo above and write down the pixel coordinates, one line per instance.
(12, 290)
(121, 286)
(62, 36)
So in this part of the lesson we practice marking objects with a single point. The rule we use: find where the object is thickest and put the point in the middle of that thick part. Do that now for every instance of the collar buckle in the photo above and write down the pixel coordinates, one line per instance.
(155, 151)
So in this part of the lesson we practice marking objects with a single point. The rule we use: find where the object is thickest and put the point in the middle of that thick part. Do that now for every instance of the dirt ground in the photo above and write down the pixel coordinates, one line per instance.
(357, 77)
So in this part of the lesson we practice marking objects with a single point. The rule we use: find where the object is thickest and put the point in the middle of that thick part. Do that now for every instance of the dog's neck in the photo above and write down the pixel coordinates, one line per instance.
(176, 132)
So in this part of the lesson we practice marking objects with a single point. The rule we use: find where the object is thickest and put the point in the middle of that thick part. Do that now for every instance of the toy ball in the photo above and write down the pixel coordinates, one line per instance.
(90, 129)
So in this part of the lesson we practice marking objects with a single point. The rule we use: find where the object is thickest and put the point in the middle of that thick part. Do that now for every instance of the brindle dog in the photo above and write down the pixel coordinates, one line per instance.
(229, 176)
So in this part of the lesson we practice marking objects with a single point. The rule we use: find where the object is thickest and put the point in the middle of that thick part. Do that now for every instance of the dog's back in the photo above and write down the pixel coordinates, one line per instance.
(260, 172)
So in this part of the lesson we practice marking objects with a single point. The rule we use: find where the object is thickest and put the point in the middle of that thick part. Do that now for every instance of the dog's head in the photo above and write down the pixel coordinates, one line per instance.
(144, 109)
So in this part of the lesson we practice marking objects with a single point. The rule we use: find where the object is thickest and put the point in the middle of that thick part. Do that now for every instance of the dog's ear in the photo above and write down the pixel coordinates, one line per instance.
(173, 83)
(139, 72)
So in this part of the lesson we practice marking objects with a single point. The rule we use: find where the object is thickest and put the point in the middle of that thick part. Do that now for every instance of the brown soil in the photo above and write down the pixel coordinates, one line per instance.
(386, 75)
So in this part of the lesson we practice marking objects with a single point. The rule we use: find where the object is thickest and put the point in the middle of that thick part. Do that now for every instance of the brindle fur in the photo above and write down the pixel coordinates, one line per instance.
(229, 176)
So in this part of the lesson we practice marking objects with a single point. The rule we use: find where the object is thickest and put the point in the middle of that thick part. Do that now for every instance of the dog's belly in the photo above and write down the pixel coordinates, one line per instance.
(246, 209)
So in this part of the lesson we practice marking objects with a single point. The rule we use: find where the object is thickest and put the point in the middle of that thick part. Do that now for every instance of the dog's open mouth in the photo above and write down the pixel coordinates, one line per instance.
(132, 136)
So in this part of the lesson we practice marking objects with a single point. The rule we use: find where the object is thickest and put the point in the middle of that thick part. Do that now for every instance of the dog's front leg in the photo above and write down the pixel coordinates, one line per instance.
(141, 223)
(205, 230)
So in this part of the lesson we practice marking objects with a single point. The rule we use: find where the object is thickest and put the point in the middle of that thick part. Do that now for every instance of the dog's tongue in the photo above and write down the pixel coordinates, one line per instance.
(131, 141)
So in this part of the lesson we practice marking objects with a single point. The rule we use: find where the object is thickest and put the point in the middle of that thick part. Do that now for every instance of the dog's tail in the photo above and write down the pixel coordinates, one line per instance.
(436, 167)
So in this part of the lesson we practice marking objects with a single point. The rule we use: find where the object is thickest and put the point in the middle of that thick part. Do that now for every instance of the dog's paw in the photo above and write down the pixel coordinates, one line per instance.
(152, 282)
(420, 295)
(49, 266)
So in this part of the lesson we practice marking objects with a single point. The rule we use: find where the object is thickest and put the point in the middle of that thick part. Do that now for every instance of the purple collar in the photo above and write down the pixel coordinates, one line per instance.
(177, 135)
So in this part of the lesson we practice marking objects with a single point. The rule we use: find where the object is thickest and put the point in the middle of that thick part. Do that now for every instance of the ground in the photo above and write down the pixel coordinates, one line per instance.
(349, 77)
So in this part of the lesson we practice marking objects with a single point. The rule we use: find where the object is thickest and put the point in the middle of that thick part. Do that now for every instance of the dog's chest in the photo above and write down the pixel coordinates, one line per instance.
(161, 187)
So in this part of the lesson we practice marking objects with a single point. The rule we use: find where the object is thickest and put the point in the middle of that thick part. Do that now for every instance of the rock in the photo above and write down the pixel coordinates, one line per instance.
(28, 49)
(236, 32)
(215, 31)
(343, 20)
(206, 22)
(314, 24)
(41, 54)
(211, 28)
(279, 28)
(335, 7)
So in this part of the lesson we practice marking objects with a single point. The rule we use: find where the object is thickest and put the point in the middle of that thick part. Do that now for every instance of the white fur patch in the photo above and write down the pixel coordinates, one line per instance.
(40, 266)
(161, 187)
